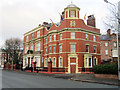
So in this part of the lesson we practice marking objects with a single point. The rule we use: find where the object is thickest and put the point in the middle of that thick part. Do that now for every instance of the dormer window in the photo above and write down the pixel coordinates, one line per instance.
(72, 13)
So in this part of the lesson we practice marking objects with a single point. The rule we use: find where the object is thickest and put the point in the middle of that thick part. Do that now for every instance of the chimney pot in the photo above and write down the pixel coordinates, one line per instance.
(91, 21)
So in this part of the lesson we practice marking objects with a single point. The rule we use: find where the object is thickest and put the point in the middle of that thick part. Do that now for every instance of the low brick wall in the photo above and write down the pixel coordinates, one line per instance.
(106, 76)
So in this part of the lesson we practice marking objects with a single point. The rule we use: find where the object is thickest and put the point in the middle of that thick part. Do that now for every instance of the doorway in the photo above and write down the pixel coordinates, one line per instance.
(73, 65)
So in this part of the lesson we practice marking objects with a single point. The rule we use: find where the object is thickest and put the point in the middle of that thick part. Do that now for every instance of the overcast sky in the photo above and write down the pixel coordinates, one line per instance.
(20, 16)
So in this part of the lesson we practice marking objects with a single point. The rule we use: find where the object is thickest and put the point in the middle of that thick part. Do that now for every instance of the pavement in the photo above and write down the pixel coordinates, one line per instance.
(87, 78)
(20, 79)
(79, 77)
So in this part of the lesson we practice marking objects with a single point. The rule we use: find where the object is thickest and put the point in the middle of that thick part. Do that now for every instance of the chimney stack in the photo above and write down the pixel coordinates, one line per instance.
(108, 32)
(91, 21)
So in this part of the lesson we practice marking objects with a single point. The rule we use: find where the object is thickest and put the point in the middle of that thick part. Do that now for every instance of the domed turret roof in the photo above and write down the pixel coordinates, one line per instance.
(72, 5)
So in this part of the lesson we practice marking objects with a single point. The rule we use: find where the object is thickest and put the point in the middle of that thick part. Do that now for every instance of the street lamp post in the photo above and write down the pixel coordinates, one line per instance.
(116, 22)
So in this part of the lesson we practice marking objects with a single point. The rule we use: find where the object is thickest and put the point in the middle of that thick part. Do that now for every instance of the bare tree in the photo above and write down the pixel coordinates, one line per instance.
(13, 48)
(119, 18)
(110, 20)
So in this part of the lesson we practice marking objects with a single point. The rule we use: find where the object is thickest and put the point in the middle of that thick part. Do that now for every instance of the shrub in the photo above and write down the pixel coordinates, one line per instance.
(106, 69)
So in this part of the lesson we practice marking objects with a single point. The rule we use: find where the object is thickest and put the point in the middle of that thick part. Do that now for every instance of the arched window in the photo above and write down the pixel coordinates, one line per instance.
(54, 62)
(60, 62)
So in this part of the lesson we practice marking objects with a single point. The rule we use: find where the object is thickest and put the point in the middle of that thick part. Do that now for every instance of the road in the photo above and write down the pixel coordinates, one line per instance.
(12, 79)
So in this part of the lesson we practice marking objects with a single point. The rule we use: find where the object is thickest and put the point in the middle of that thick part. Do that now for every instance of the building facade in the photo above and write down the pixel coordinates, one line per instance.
(71, 46)
(2, 57)
(108, 47)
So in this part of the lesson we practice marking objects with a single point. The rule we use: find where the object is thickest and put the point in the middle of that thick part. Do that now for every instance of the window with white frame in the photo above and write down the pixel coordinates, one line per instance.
(72, 47)
(31, 47)
(27, 38)
(26, 49)
(87, 48)
(115, 44)
(90, 62)
(54, 49)
(106, 52)
(72, 13)
(32, 35)
(54, 62)
(38, 33)
(86, 36)
(54, 37)
(72, 35)
(86, 62)
(50, 38)
(94, 49)
(95, 61)
(46, 40)
(61, 62)
(46, 50)
(37, 61)
(38, 47)
(106, 44)
(50, 49)
(60, 48)
(25, 61)
(61, 36)
(94, 38)
(45, 63)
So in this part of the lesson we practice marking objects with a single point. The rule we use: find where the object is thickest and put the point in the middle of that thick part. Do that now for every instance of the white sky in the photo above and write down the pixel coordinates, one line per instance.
(20, 16)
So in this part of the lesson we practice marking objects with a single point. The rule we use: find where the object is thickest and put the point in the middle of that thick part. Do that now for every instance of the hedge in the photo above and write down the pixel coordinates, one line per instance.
(106, 69)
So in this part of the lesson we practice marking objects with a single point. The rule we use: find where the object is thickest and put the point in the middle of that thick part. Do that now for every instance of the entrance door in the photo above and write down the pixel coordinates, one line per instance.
(73, 65)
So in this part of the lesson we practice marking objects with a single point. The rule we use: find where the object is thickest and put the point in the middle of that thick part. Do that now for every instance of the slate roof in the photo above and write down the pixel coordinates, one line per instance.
(105, 37)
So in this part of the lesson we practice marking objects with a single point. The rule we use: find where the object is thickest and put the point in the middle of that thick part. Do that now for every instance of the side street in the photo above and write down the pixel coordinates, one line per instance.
(72, 53)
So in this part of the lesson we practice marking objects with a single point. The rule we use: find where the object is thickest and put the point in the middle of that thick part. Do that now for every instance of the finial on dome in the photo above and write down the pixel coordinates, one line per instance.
(72, 5)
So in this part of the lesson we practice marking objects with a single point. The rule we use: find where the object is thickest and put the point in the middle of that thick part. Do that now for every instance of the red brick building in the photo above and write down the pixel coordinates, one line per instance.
(109, 47)
(72, 46)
